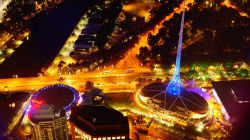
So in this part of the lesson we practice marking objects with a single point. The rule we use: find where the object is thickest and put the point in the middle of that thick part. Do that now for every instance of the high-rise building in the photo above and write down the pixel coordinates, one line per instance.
(48, 122)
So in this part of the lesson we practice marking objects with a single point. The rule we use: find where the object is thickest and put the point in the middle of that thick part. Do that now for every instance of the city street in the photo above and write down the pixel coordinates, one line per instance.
(110, 80)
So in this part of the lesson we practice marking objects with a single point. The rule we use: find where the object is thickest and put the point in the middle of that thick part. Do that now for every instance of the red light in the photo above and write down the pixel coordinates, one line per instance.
(35, 104)
(33, 101)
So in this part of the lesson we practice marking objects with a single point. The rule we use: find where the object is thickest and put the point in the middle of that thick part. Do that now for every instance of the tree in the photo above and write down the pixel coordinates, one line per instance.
(153, 39)
(228, 65)
(61, 64)
(143, 54)
(192, 74)
(243, 73)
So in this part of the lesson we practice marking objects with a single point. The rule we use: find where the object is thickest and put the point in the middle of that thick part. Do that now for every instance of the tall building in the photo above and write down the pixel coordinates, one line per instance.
(90, 122)
(48, 122)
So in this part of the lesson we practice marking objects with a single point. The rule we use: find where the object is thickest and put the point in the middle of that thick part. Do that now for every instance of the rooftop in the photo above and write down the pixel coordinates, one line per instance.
(58, 94)
(193, 101)
(234, 95)
(91, 29)
(45, 112)
(99, 120)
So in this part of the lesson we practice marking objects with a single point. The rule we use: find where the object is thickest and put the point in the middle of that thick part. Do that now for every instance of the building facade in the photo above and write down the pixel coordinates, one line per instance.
(48, 123)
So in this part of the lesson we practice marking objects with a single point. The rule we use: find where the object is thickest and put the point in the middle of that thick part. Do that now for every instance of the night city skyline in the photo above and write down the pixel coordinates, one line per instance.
(124, 69)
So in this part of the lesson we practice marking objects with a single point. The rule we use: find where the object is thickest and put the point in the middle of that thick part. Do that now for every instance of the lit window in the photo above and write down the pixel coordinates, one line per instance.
(118, 137)
(113, 138)
(109, 138)
(94, 138)
(99, 138)
(123, 137)
(104, 138)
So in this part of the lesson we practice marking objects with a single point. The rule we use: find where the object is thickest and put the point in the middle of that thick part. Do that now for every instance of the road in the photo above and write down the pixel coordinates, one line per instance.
(131, 60)
(108, 79)
(18, 118)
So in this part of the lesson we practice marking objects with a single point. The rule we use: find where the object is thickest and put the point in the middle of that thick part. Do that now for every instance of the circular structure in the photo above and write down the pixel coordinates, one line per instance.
(60, 95)
(188, 103)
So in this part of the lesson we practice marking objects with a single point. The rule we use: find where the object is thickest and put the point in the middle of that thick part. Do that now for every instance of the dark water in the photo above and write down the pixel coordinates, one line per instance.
(49, 31)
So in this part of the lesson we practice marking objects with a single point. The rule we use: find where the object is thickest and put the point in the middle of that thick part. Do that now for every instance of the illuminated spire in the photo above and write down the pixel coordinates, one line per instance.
(175, 85)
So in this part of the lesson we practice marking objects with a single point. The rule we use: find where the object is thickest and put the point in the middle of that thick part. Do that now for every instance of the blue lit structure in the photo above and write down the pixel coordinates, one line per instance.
(176, 97)
(175, 85)
(58, 92)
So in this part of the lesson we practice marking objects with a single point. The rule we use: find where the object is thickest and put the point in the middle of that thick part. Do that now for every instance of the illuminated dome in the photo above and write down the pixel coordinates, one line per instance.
(188, 103)
(60, 95)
